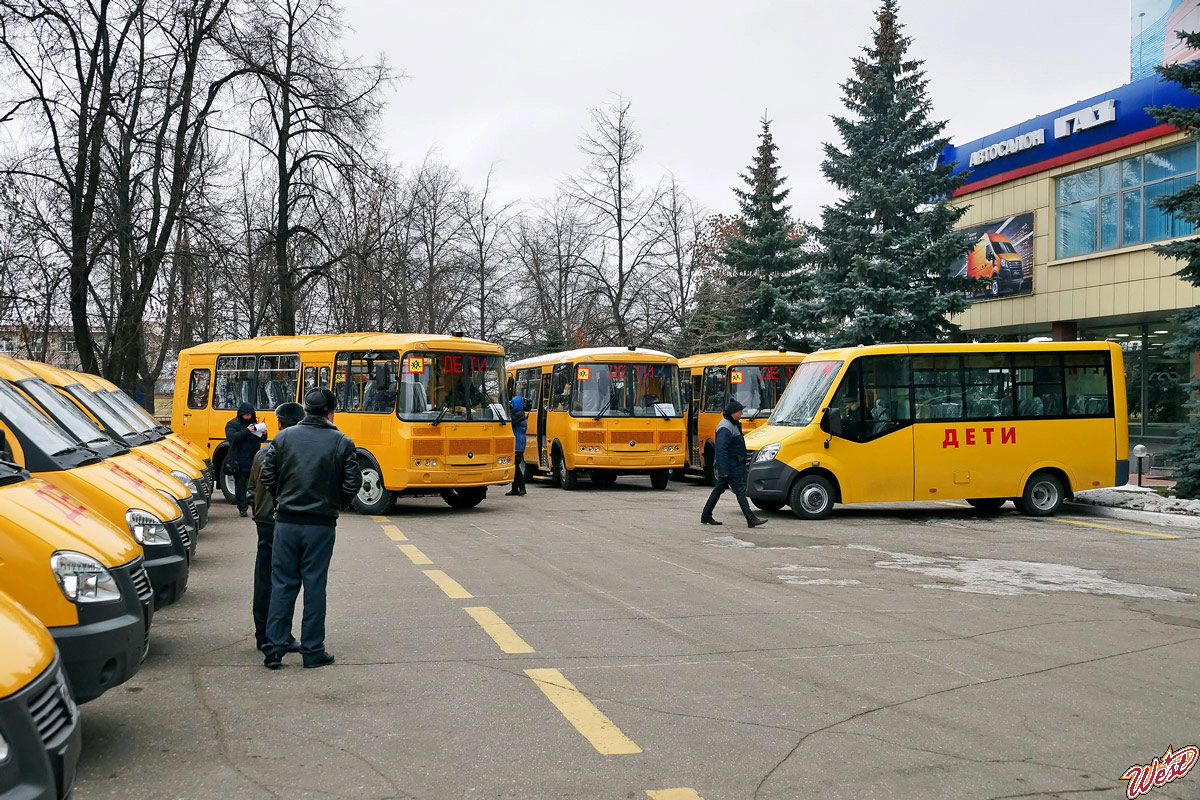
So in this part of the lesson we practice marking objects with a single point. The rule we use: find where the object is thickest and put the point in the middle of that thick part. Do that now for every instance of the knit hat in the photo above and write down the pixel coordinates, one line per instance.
(732, 407)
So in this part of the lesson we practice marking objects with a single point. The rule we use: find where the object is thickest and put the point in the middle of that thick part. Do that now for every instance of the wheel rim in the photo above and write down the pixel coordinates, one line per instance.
(372, 487)
(1044, 496)
(229, 484)
(562, 470)
(814, 499)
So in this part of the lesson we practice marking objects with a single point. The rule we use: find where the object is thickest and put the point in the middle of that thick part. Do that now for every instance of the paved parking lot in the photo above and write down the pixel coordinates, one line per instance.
(603, 644)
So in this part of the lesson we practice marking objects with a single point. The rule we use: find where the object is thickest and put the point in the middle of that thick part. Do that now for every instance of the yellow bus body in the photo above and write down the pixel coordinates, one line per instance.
(564, 440)
(984, 423)
(386, 386)
(710, 379)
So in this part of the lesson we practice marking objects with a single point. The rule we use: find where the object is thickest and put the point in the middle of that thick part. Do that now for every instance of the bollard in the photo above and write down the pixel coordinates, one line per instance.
(1140, 452)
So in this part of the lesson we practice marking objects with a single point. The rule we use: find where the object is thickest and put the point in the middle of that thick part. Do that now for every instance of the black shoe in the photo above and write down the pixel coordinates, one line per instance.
(523, 493)
(242, 512)
(754, 523)
(710, 521)
(273, 660)
(512, 494)
(323, 660)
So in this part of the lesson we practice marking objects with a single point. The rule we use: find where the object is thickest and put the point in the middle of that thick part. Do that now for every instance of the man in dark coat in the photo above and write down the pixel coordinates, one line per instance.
(731, 467)
(312, 469)
(243, 444)
(520, 423)
(263, 511)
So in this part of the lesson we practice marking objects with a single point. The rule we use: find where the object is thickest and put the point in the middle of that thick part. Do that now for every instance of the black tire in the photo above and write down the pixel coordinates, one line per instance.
(228, 489)
(466, 497)
(768, 505)
(994, 290)
(987, 503)
(812, 497)
(710, 469)
(660, 478)
(1043, 496)
(529, 471)
(604, 477)
(565, 477)
(678, 473)
(373, 498)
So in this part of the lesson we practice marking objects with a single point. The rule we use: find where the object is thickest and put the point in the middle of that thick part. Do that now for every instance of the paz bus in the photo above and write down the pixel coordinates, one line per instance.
(603, 412)
(428, 414)
(984, 423)
(755, 378)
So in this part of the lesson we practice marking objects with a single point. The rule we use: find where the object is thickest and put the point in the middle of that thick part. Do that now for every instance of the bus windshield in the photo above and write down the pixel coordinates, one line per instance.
(626, 390)
(804, 395)
(758, 388)
(452, 387)
(67, 413)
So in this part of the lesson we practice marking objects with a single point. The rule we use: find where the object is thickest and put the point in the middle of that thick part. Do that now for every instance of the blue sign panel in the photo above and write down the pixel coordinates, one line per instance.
(1077, 127)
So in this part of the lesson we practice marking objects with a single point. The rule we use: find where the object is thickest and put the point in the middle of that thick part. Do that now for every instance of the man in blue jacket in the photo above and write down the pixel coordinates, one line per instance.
(520, 423)
(731, 467)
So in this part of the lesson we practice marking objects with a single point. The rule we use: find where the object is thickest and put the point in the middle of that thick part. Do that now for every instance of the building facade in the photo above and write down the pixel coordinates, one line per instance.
(1062, 208)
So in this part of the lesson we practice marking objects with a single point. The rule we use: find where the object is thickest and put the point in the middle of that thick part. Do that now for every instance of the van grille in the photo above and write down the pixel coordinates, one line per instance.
(185, 537)
(194, 512)
(141, 583)
(51, 712)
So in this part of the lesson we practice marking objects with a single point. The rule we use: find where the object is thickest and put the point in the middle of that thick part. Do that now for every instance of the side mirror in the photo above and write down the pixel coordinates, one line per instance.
(989, 253)
(833, 418)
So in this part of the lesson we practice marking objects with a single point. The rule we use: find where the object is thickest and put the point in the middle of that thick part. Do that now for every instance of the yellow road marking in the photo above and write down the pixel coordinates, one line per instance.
(394, 533)
(1119, 530)
(414, 555)
(673, 794)
(380, 519)
(498, 629)
(590, 721)
(451, 587)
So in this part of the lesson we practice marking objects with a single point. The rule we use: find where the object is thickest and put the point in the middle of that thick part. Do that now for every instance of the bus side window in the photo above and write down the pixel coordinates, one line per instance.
(1039, 381)
(886, 400)
(560, 390)
(533, 388)
(323, 380)
(714, 389)
(1089, 391)
(198, 385)
(277, 379)
(234, 382)
(310, 379)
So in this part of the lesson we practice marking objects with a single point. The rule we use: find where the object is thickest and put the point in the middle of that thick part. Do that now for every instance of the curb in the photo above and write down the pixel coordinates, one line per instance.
(1148, 517)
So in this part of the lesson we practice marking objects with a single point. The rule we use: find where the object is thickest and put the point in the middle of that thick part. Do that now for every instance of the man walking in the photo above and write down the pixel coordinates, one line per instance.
(244, 439)
(520, 423)
(263, 511)
(731, 467)
(312, 469)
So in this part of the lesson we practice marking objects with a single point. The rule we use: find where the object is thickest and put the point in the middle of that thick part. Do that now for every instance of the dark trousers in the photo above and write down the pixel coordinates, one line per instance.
(300, 557)
(737, 485)
(239, 487)
(518, 484)
(262, 583)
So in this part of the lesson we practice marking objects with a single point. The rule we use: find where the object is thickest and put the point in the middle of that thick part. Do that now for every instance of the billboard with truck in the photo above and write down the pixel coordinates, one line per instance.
(1000, 258)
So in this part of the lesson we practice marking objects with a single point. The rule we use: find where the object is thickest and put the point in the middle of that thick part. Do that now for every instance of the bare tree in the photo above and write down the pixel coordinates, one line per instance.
(485, 228)
(686, 261)
(441, 277)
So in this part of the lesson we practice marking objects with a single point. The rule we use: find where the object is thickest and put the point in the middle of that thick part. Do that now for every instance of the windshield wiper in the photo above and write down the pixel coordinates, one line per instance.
(659, 409)
(441, 414)
(757, 414)
(602, 410)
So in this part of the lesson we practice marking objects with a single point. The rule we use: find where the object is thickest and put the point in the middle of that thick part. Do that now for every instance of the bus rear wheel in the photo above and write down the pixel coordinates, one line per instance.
(659, 478)
(768, 505)
(811, 497)
(567, 478)
(1043, 496)
(372, 497)
(466, 497)
(604, 477)
(228, 486)
(987, 503)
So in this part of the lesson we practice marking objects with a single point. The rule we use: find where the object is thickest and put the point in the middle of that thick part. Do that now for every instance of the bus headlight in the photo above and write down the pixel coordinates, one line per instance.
(147, 528)
(768, 453)
(82, 578)
(186, 480)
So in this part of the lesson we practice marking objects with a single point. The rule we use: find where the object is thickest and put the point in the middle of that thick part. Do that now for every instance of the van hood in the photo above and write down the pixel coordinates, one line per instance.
(28, 647)
(119, 485)
(47, 513)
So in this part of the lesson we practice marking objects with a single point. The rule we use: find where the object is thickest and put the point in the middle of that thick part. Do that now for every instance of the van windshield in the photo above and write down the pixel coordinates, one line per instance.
(22, 415)
(805, 394)
(67, 413)
(1004, 246)
(137, 415)
(102, 411)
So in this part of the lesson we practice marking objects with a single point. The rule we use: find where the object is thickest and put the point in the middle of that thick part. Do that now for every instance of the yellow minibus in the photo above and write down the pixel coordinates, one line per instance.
(427, 413)
(40, 734)
(602, 412)
(755, 378)
(32, 440)
(984, 423)
(81, 577)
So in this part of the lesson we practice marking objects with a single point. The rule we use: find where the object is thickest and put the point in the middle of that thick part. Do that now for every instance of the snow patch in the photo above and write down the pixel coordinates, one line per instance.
(1138, 499)
(797, 575)
(726, 541)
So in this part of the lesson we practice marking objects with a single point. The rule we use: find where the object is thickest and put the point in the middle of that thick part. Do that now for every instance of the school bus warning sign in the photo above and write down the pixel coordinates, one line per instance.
(416, 364)
(583, 373)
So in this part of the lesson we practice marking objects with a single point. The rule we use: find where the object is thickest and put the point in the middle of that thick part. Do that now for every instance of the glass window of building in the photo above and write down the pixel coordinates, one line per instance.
(1113, 205)
(1155, 382)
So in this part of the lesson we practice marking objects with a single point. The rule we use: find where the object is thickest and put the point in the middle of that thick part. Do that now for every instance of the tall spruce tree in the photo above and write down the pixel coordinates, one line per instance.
(764, 255)
(1186, 204)
(886, 253)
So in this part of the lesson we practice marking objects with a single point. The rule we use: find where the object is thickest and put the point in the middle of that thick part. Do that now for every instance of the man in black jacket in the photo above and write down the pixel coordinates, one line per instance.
(312, 469)
(243, 444)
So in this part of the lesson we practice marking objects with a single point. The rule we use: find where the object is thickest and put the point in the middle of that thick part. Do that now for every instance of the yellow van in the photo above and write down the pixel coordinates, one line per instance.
(125, 500)
(120, 431)
(81, 577)
(39, 722)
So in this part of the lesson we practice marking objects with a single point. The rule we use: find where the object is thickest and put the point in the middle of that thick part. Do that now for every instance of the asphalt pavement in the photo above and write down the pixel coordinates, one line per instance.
(602, 643)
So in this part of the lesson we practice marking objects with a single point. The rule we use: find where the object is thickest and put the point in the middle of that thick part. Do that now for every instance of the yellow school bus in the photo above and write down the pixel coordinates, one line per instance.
(428, 413)
(755, 378)
(983, 423)
(601, 411)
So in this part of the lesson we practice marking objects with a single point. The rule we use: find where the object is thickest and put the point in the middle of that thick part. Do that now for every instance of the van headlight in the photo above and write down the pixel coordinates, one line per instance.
(147, 528)
(83, 579)
(768, 453)
(186, 480)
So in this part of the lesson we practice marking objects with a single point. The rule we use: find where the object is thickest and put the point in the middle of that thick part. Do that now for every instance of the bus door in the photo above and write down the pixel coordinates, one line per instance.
(875, 449)
(693, 421)
(543, 444)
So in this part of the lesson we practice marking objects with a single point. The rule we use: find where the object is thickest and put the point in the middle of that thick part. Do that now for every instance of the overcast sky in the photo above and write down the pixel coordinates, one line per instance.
(511, 82)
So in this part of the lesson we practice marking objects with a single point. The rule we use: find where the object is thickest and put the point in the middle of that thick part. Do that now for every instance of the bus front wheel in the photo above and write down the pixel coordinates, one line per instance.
(1043, 496)
(659, 478)
(373, 498)
(466, 497)
(567, 478)
(811, 497)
